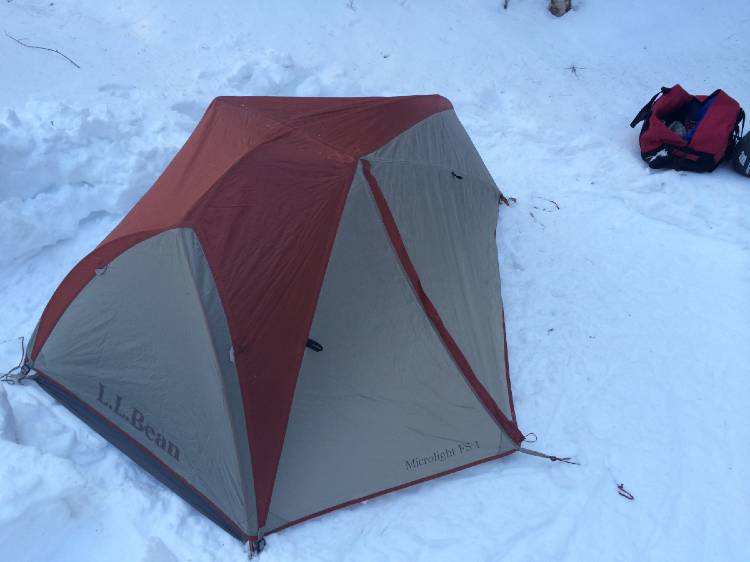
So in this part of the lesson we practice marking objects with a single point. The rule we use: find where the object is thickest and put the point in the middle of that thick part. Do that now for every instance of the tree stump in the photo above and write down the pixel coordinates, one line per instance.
(559, 7)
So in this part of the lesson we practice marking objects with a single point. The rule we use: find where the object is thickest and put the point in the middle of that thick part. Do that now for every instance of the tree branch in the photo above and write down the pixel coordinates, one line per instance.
(66, 57)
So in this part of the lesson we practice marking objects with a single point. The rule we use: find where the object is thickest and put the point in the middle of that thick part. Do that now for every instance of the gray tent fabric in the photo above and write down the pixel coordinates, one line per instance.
(439, 141)
(156, 311)
(395, 276)
(445, 205)
(448, 228)
(383, 403)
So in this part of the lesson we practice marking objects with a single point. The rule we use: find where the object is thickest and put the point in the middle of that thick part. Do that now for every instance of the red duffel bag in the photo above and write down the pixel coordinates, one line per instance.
(687, 132)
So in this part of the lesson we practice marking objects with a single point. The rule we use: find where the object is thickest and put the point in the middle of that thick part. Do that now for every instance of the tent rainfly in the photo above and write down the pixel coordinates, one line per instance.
(302, 313)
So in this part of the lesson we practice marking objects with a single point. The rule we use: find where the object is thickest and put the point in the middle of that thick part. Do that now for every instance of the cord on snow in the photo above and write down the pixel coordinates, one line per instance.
(553, 458)
(527, 438)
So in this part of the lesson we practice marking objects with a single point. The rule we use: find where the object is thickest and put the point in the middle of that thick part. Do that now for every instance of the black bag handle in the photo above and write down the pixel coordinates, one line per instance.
(646, 109)
(737, 133)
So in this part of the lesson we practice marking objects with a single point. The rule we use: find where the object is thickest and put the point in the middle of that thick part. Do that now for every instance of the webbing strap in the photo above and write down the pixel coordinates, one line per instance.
(646, 109)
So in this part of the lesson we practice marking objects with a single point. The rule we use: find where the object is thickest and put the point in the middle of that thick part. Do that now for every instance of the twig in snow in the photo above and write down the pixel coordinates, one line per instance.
(66, 57)
(540, 223)
(551, 201)
(574, 69)
(624, 493)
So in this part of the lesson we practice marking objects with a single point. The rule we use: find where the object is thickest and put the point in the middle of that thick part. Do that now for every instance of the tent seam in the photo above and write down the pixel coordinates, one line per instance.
(291, 128)
(216, 361)
(446, 338)
(340, 213)
(302, 128)
(397, 488)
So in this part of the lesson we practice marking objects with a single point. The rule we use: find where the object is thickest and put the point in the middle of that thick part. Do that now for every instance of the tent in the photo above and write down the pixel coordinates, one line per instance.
(303, 312)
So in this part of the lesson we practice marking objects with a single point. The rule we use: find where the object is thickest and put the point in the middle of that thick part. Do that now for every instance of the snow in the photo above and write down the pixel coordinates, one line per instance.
(627, 308)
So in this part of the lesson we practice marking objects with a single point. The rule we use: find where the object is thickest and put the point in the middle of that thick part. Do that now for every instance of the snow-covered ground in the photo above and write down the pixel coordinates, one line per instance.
(628, 307)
